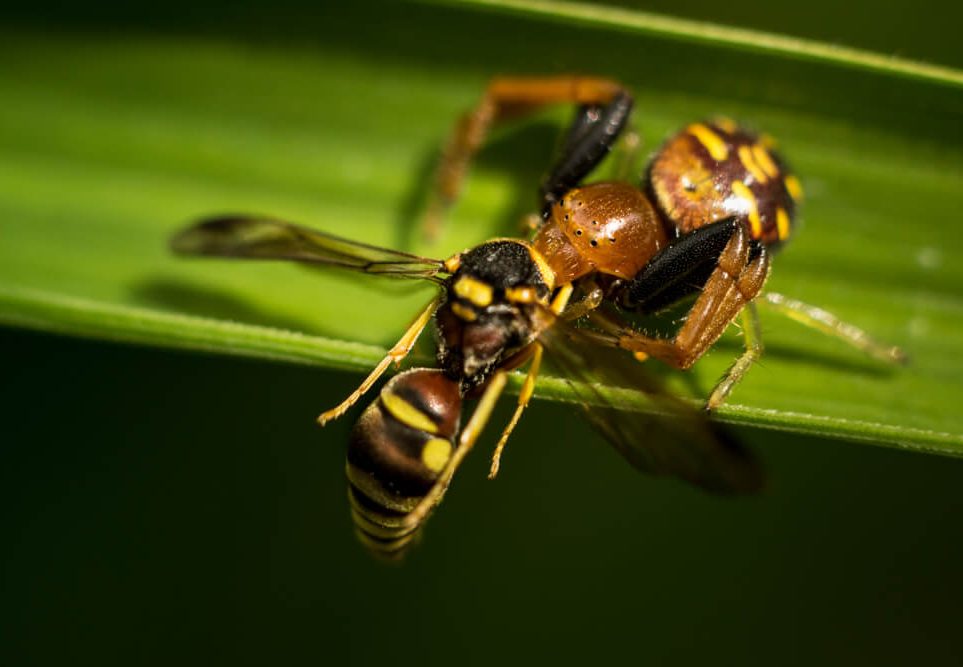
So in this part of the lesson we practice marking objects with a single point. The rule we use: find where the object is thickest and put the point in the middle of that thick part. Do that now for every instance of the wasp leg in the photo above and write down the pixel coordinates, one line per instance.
(506, 98)
(594, 295)
(739, 275)
(827, 323)
(524, 396)
(400, 350)
(467, 439)
(752, 335)
(558, 307)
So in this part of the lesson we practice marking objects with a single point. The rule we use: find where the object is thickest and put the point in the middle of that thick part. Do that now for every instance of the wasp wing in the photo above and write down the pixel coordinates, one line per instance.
(671, 438)
(253, 237)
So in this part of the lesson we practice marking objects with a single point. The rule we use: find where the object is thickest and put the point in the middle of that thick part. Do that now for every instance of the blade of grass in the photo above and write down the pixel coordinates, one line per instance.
(110, 144)
(634, 20)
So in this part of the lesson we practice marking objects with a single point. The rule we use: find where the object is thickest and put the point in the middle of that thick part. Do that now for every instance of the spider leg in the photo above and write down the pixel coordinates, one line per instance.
(736, 275)
(604, 109)
(824, 321)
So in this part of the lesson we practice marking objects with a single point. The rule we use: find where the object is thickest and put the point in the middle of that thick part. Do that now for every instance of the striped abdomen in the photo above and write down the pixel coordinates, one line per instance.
(397, 450)
(716, 170)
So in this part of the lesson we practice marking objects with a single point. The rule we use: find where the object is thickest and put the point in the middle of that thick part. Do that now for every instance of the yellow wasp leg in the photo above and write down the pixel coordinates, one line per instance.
(395, 354)
(585, 305)
(524, 396)
(466, 441)
(528, 388)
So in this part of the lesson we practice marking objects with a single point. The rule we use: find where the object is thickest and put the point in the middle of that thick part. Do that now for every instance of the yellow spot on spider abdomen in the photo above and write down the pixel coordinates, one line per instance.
(742, 191)
(794, 187)
(713, 142)
(782, 223)
(407, 414)
(726, 124)
(749, 162)
(475, 291)
(435, 454)
(764, 160)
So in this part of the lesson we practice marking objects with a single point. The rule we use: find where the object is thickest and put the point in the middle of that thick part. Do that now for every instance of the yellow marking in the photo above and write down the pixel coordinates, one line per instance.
(395, 354)
(476, 291)
(452, 263)
(764, 160)
(561, 299)
(782, 223)
(521, 294)
(726, 123)
(746, 158)
(406, 413)
(463, 312)
(742, 191)
(435, 454)
(713, 142)
(368, 486)
(371, 515)
(524, 396)
(794, 186)
(469, 435)
(547, 274)
(767, 140)
(640, 356)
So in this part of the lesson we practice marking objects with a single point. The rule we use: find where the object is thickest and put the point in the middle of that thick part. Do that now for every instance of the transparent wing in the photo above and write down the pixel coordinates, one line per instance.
(670, 438)
(254, 237)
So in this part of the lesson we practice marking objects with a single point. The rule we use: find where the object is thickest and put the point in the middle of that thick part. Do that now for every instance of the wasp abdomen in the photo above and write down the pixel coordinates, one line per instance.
(397, 450)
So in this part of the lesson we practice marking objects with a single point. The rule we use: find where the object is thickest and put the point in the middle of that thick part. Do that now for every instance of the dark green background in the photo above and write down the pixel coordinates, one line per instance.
(160, 506)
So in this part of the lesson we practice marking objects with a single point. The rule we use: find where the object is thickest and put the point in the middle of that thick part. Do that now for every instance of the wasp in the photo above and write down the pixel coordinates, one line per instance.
(713, 204)
(499, 306)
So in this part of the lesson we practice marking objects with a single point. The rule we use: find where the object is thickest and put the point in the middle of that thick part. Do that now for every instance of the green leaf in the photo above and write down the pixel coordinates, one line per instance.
(108, 144)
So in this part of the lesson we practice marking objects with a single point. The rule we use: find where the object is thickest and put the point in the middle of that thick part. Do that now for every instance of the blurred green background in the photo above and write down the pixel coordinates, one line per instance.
(161, 506)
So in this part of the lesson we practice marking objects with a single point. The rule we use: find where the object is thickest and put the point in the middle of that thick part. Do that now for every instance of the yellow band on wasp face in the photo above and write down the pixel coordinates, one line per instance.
(521, 294)
(473, 290)
(463, 312)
